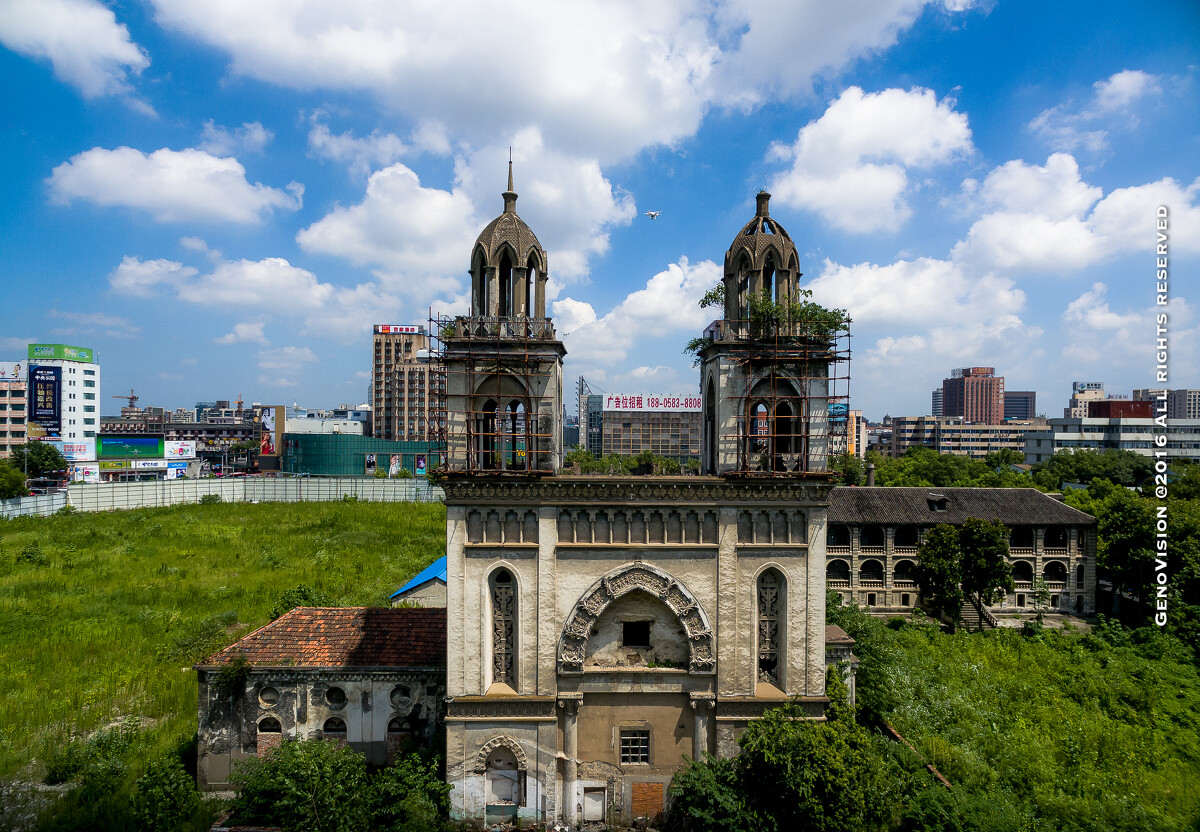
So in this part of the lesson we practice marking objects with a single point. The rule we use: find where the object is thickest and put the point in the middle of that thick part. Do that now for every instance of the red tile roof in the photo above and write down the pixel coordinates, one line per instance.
(836, 635)
(345, 637)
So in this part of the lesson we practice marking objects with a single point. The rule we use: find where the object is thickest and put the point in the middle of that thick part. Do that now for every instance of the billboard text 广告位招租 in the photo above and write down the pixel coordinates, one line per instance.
(179, 450)
(45, 400)
(60, 352)
(621, 401)
(129, 447)
(78, 451)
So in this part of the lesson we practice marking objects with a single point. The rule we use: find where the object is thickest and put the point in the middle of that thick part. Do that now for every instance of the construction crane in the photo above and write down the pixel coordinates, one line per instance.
(132, 398)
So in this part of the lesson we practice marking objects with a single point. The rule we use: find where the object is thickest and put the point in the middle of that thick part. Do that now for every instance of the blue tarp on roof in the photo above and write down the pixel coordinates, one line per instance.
(437, 569)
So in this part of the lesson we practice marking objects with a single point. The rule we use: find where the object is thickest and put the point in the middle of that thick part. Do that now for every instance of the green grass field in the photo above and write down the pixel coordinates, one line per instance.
(103, 615)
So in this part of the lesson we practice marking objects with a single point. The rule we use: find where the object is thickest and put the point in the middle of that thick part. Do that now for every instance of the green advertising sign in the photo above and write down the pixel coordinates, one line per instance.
(114, 465)
(129, 447)
(61, 352)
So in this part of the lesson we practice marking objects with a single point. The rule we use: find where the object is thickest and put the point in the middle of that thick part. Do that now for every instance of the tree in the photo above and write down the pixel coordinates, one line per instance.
(166, 796)
(986, 572)
(409, 796)
(12, 481)
(1041, 597)
(804, 775)
(939, 572)
(42, 458)
(304, 785)
(1117, 466)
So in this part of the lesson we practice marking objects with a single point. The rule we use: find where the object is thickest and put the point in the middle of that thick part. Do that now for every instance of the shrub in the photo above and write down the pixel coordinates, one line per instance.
(409, 796)
(67, 510)
(311, 785)
(209, 499)
(196, 639)
(166, 796)
(32, 555)
(301, 596)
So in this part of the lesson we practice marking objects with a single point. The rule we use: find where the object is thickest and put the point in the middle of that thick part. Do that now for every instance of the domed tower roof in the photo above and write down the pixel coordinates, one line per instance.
(509, 228)
(759, 236)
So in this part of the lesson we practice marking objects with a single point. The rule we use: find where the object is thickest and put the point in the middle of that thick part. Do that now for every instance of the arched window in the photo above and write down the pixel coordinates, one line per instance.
(785, 437)
(837, 570)
(871, 537)
(837, 534)
(906, 536)
(485, 436)
(531, 279)
(334, 726)
(515, 451)
(1022, 571)
(1021, 538)
(270, 725)
(870, 570)
(770, 616)
(1056, 538)
(1055, 572)
(904, 571)
(504, 282)
(399, 730)
(760, 439)
(504, 628)
(768, 275)
(1079, 575)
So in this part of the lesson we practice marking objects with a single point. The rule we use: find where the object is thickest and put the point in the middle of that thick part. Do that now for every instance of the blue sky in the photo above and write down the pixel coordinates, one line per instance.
(221, 198)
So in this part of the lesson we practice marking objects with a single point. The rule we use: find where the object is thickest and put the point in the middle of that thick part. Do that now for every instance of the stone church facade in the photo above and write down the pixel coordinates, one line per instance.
(602, 628)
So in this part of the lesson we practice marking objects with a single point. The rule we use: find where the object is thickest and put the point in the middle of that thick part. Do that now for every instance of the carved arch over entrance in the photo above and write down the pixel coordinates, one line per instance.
(572, 645)
(498, 742)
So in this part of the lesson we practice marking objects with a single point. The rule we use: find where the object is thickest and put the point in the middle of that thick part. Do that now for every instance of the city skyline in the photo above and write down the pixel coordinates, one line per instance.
(223, 202)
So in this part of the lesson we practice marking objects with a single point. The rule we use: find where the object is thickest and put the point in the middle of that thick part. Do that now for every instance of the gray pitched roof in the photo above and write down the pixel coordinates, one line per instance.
(897, 506)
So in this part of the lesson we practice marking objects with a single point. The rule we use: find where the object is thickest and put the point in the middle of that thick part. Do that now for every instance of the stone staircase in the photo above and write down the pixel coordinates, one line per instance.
(976, 616)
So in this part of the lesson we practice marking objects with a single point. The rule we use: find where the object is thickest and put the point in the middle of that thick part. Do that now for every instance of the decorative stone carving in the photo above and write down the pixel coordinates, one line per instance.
(632, 577)
(633, 491)
(492, 744)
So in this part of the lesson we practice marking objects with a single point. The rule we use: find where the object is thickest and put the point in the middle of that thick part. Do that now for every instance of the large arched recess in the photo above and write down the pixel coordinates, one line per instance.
(572, 644)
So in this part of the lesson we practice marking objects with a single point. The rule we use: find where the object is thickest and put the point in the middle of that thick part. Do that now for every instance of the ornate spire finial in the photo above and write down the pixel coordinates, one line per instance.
(762, 198)
(510, 196)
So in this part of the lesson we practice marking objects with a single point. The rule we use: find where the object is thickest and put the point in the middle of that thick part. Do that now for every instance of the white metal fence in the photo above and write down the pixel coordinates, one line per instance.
(124, 495)
(30, 506)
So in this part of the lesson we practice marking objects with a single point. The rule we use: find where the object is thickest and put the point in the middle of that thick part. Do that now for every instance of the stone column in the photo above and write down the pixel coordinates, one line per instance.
(520, 279)
(570, 803)
(703, 706)
(493, 293)
(539, 299)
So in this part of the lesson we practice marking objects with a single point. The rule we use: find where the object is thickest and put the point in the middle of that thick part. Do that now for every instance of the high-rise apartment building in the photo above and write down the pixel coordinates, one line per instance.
(1183, 404)
(935, 407)
(64, 395)
(975, 394)
(1083, 392)
(1020, 404)
(13, 399)
(409, 387)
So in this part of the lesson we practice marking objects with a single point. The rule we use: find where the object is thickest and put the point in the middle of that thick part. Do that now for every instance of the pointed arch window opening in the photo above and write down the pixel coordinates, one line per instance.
(770, 606)
(504, 282)
(485, 436)
(504, 628)
(777, 438)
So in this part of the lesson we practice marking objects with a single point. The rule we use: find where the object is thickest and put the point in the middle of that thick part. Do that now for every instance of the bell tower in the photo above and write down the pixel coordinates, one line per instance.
(504, 393)
(769, 370)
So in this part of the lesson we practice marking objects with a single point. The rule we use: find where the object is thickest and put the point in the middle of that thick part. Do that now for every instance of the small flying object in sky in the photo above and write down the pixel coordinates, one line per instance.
(653, 214)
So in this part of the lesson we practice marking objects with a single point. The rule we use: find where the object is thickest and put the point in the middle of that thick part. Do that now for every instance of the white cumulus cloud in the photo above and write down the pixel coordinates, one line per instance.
(1115, 102)
(246, 332)
(140, 277)
(851, 165)
(82, 39)
(251, 137)
(169, 185)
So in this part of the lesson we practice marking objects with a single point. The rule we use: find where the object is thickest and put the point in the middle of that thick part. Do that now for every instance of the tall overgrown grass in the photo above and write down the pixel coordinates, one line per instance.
(103, 615)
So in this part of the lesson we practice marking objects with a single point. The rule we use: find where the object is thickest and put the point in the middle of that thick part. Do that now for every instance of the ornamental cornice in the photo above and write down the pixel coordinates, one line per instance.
(635, 491)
